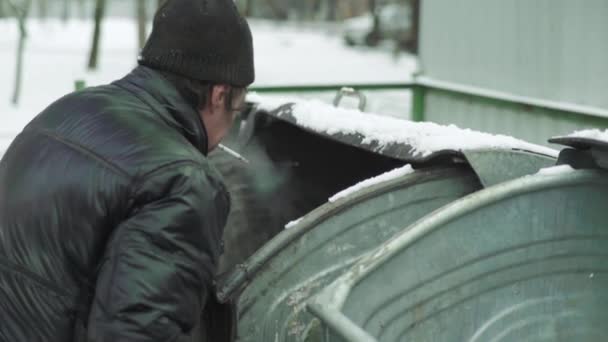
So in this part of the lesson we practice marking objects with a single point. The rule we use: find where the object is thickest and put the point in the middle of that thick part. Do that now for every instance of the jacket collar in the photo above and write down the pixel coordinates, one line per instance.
(152, 88)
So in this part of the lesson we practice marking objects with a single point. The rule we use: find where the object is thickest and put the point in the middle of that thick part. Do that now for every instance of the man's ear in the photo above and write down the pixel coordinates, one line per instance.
(219, 96)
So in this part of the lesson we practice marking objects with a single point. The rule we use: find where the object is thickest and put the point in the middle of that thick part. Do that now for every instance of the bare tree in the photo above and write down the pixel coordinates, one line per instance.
(247, 8)
(81, 9)
(415, 25)
(142, 19)
(332, 10)
(100, 6)
(43, 7)
(374, 36)
(278, 11)
(65, 11)
(20, 9)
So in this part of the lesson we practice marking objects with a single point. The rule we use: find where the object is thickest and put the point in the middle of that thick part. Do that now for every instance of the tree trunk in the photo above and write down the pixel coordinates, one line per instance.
(374, 36)
(142, 19)
(415, 26)
(21, 13)
(81, 9)
(317, 9)
(332, 9)
(99, 12)
(279, 13)
(65, 12)
(43, 7)
(247, 8)
(19, 67)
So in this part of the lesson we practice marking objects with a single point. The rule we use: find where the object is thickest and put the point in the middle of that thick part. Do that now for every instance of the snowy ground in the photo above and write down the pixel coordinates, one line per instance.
(56, 55)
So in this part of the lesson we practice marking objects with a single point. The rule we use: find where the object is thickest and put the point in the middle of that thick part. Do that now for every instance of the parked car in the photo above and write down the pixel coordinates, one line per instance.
(394, 24)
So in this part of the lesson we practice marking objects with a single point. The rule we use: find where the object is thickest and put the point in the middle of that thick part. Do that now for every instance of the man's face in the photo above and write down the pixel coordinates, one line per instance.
(219, 114)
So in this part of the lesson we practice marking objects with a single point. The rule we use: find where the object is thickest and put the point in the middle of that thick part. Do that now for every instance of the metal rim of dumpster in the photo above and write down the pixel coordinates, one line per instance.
(401, 151)
(247, 271)
(327, 304)
(273, 303)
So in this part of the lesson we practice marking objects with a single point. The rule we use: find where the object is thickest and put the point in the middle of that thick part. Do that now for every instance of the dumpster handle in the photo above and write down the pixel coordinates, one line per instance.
(347, 91)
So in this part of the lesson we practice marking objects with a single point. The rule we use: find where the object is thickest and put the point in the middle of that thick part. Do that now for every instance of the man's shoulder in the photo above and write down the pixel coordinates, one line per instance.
(113, 125)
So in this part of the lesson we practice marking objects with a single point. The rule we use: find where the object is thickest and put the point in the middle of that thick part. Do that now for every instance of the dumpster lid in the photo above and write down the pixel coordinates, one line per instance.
(584, 140)
(590, 148)
(406, 140)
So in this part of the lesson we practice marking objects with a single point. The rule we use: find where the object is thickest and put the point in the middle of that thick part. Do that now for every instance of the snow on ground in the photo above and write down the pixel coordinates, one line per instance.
(425, 137)
(385, 177)
(595, 134)
(56, 55)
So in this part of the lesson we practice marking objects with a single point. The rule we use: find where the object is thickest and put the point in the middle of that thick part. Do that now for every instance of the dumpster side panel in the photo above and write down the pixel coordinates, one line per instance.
(525, 265)
(272, 306)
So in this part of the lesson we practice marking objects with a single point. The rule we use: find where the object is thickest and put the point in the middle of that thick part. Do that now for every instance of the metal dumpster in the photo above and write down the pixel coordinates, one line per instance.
(522, 260)
(306, 257)
(272, 286)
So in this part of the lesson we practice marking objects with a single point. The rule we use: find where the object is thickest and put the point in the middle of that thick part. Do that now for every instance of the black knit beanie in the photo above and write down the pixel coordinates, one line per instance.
(206, 40)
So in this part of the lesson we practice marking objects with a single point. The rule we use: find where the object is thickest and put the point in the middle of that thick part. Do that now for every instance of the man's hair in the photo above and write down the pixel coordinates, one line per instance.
(198, 93)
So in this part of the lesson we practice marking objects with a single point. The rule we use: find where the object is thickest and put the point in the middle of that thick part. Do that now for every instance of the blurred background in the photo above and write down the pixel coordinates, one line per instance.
(50, 47)
(530, 69)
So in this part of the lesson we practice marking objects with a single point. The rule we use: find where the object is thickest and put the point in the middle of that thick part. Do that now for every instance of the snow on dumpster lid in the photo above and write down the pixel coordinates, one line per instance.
(396, 173)
(584, 139)
(555, 170)
(385, 177)
(391, 136)
(594, 134)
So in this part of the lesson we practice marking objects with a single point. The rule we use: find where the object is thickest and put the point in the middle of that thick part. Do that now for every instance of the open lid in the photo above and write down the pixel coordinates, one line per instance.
(412, 142)
(590, 148)
(495, 158)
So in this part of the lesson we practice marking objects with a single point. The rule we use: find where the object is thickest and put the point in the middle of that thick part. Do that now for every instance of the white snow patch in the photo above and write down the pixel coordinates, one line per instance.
(293, 223)
(555, 170)
(425, 137)
(396, 173)
(595, 134)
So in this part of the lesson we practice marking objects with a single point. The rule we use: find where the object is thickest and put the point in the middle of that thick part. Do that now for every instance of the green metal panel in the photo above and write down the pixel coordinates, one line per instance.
(303, 259)
(418, 103)
(547, 49)
(523, 260)
(80, 85)
(530, 123)
(537, 76)
(312, 88)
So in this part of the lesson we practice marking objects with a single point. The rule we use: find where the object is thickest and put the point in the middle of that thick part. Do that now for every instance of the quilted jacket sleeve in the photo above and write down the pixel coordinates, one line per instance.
(157, 271)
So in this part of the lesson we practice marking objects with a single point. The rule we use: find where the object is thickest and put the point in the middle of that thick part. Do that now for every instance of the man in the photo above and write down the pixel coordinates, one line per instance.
(110, 215)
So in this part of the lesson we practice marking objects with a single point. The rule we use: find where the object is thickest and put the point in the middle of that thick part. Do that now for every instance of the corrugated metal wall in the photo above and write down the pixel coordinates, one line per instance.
(548, 49)
(535, 125)
(552, 49)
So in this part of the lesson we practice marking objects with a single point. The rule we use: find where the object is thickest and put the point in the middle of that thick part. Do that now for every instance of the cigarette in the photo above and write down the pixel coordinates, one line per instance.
(233, 153)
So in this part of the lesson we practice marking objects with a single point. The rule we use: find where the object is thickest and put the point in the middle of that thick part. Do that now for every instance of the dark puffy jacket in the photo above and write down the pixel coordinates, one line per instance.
(111, 218)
